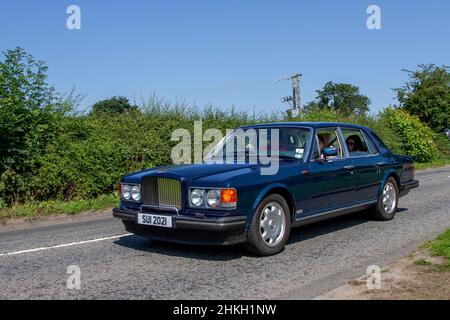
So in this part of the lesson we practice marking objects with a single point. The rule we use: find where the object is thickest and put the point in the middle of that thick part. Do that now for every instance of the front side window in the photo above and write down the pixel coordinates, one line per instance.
(356, 142)
(327, 138)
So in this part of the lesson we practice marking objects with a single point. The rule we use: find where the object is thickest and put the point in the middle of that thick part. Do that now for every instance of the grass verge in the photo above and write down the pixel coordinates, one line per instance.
(40, 209)
(440, 162)
(440, 247)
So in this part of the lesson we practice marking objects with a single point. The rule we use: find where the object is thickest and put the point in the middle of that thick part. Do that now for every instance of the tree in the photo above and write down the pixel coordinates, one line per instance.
(27, 113)
(114, 105)
(427, 95)
(340, 97)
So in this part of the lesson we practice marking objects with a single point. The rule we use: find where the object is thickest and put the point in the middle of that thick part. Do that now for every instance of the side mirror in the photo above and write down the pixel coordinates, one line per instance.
(329, 152)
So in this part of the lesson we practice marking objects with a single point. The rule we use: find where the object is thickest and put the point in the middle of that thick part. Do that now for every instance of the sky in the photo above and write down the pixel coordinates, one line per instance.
(227, 52)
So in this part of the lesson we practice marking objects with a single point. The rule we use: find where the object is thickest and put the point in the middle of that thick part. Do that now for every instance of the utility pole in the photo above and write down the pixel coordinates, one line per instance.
(295, 98)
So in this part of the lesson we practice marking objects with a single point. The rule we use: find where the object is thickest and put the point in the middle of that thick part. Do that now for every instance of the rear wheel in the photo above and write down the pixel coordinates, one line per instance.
(388, 202)
(270, 227)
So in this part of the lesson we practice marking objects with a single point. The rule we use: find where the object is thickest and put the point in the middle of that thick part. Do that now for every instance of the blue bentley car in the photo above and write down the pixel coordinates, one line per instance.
(323, 170)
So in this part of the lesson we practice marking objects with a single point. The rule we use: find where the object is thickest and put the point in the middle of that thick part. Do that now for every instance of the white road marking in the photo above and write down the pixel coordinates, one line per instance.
(64, 245)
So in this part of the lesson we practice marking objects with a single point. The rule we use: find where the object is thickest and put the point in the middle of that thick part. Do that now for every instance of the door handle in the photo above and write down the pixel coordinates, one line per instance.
(381, 164)
(349, 167)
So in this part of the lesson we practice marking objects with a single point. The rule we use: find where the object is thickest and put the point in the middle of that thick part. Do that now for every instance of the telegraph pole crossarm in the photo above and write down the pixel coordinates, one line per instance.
(295, 98)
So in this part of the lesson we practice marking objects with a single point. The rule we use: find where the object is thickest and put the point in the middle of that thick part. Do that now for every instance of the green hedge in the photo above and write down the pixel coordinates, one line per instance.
(415, 138)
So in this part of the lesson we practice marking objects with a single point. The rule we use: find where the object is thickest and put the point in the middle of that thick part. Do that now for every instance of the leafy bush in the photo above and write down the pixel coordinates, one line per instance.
(443, 145)
(417, 140)
(389, 135)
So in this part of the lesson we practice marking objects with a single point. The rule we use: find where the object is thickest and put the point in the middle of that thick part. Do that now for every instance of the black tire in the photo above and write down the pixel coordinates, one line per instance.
(255, 242)
(379, 211)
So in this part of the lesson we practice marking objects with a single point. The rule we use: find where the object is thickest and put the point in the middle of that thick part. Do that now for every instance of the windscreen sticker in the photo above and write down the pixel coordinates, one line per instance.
(299, 152)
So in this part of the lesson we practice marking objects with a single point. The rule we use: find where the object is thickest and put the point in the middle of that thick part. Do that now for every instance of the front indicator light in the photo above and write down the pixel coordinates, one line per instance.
(228, 198)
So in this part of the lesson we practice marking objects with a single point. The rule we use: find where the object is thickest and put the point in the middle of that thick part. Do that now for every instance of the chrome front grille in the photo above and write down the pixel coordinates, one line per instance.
(169, 192)
(158, 191)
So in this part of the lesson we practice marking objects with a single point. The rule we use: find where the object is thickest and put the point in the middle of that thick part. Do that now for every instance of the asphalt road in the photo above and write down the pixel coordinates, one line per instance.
(319, 257)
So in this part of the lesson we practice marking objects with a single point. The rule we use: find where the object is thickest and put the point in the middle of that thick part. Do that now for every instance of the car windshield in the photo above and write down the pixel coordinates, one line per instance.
(287, 143)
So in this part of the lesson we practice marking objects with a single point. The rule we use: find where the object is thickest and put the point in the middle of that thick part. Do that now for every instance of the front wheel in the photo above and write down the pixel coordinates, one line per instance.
(270, 227)
(388, 202)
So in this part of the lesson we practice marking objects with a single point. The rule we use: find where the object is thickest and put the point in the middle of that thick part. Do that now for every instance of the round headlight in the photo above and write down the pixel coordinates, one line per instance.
(136, 193)
(197, 196)
(213, 198)
(126, 191)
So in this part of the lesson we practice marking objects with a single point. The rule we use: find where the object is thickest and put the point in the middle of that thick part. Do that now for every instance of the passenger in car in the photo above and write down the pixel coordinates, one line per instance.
(354, 144)
(321, 144)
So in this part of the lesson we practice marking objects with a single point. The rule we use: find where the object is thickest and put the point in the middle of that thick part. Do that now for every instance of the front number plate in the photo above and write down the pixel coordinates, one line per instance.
(155, 220)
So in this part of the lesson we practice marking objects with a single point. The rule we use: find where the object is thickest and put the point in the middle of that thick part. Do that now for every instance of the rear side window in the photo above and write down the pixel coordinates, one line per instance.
(378, 139)
(356, 142)
(372, 147)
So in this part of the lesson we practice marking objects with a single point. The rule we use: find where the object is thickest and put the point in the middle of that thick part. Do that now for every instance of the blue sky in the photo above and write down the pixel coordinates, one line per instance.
(227, 52)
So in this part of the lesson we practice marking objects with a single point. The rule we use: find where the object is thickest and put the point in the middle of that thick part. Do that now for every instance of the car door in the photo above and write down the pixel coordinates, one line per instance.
(327, 183)
(367, 162)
